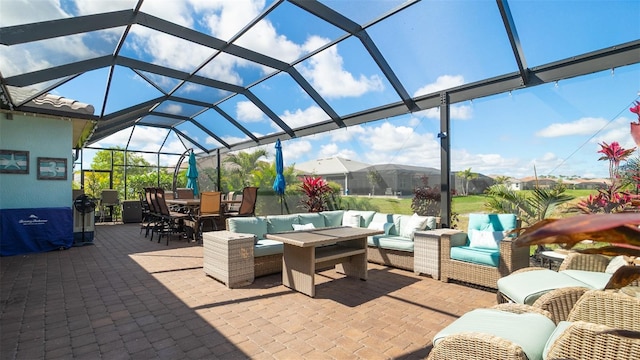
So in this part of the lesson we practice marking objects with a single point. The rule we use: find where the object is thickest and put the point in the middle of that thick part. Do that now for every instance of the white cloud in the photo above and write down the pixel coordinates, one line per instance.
(456, 112)
(442, 82)
(327, 75)
(583, 126)
(292, 150)
(174, 109)
(299, 117)
(333, 150)
(248, 112)
(346, 134)
(19, 12)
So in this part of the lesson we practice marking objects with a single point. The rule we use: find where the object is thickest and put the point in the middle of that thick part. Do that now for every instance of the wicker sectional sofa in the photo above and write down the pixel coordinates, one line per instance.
(393, 248)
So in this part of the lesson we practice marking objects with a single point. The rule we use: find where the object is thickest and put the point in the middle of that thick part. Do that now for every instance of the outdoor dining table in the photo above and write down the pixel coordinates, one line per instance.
(308, 250)
(192, 206)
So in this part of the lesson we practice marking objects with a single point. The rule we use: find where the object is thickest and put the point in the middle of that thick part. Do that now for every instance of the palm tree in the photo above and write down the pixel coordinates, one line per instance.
(539, 205)
(243, 166)
(467, 175)
(374, 179)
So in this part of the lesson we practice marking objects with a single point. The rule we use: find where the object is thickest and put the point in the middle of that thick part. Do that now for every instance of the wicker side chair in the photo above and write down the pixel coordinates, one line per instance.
(512, 257)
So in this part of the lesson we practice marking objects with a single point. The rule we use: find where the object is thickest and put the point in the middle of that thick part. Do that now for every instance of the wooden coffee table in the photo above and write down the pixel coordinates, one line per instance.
(307, 250)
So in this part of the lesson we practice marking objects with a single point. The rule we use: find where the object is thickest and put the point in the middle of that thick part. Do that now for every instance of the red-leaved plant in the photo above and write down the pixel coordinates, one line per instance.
(635, 125)
(610, 198)
(316, 190)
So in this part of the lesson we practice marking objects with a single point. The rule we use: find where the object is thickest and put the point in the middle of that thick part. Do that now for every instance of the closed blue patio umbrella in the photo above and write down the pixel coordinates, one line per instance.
(192, 174)
(279, 184)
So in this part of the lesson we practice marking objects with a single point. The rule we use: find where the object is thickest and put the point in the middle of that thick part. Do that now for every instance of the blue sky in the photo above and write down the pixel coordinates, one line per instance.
(432, 45)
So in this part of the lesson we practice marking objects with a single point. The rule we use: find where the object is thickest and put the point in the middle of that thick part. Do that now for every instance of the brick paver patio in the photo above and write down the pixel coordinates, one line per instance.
(126, 297)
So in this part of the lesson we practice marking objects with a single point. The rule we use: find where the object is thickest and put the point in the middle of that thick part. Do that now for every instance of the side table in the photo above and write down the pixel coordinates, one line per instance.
(228, 257)
(426, 251)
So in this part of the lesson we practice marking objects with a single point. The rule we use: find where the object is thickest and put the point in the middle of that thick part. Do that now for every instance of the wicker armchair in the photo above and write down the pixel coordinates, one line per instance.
(560, 302)
(512, 258)
(480, 345)
(605, 326)
(602, 325)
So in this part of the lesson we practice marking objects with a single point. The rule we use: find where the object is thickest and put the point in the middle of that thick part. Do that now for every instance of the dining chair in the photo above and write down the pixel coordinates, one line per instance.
(210, 210)
(248, 204)
(109, 199)
(171, 222)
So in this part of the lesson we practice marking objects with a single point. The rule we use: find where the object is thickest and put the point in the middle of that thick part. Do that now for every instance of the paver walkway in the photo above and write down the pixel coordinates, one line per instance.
(128, 298)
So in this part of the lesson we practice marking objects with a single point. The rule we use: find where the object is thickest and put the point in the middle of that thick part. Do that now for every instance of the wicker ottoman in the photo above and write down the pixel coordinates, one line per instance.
(426, 251)
(228, 257)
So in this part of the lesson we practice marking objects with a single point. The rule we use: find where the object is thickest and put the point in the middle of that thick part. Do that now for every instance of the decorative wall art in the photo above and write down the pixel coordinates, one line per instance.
(14, 162)
(52, 168)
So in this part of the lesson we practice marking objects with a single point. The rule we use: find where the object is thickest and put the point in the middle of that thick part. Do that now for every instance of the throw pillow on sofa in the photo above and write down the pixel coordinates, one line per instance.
(298, 227)
(415, 223)
(351, 220)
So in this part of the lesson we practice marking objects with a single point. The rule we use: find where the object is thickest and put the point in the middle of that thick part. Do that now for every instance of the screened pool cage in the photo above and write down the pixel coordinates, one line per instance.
(168, 171)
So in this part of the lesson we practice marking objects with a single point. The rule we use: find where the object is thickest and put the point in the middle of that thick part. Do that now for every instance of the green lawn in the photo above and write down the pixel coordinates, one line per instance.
(462, 205)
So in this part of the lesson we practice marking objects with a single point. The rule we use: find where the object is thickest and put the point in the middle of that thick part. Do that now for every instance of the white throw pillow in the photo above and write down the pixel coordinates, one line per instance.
(351, 220)
(415, 223)
(380, 225)
(485, 239)
(615, 264)
(298, 227)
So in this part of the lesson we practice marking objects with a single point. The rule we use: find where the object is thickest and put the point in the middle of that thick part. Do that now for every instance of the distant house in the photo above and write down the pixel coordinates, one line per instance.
(591, 184)
(511, 183)
(531, 182)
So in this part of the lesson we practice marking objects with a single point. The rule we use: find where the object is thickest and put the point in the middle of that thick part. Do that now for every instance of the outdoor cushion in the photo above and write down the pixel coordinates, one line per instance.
(381, 218)
(332, 218)
(353, 220)
(529, 330)
(312, 218)
(475, 255)
(391, 242)
(298, 227)
(492, 222)
(280, 223)
(384, 226)
(560, 328)
(526, 287)
(615, 263)
(591, 279)
(365, 216)
(485, 239)
(266, 247)
(410, 224)
(249, 225)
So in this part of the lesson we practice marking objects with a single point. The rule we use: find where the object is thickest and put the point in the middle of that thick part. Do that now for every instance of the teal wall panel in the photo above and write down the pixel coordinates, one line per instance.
(42, 137)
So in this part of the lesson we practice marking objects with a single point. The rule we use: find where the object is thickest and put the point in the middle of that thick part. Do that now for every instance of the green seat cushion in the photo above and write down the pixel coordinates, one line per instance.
(266, 247)
(528, 330)
(526, 287)
(391, 242)
(312, 218)
(476, 255)
(593, 279)
(281, 223)
(332, 218)
(562, 326)
(248, 225)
